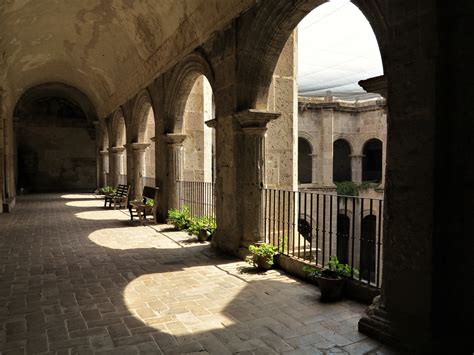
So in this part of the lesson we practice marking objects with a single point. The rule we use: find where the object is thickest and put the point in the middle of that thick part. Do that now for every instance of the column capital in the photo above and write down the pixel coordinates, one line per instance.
(211, 123)
(153, 139)
(117, 149)
(139, 146)
(175, 138)
(356, 156)
(254, 122)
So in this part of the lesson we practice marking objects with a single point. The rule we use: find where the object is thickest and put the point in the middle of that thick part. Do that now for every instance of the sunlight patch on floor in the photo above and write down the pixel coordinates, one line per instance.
(80, 196)
(86, 203)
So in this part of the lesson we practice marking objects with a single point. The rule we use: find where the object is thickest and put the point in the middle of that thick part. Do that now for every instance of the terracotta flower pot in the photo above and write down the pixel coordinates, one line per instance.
(262, 263)
(331, 289)
(203, 236)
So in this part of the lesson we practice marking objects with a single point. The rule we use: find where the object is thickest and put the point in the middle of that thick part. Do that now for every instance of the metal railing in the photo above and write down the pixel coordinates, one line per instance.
(313, 226)
(198, 196)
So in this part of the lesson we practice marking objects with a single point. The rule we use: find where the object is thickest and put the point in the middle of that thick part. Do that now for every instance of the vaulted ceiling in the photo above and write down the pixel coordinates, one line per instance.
(108, 49)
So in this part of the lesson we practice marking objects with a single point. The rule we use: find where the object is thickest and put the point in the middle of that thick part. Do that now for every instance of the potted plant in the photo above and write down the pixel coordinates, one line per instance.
(106, 190)
(331, 278)
(262, 255)
(203, 227)
(181, 219)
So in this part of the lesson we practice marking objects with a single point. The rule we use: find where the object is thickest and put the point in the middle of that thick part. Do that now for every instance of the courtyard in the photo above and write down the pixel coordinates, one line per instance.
(80, 279)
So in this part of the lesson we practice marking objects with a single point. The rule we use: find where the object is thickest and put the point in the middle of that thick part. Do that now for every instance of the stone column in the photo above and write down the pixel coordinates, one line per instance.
(356, 166)
(103, 167)
(116, 160)
(314, 168)
(138, 153)
(252, 173)
(212, 124)
(327, 144)
(175, 166)
(2, 156)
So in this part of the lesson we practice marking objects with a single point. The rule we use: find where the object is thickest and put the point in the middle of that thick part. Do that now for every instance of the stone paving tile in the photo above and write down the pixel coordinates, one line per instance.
(76, 278)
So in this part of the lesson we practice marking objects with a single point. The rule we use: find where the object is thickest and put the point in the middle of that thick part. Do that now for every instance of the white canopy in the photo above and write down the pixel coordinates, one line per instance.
(336, 48)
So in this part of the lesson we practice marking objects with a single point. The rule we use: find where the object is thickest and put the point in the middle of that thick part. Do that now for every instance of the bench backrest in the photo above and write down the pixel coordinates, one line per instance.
(150, 192)
(122, 190)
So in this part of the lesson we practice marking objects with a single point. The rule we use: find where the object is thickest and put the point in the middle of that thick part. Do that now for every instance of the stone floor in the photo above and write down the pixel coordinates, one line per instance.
(79, 279)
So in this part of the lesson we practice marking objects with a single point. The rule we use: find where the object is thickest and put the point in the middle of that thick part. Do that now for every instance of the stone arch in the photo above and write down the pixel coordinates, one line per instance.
(64, 161)
(267, 28)
(372, 161)
(342, 166)
(103, 135)
(118, 129)
(182, 79)
(143, 118)
(305, 161)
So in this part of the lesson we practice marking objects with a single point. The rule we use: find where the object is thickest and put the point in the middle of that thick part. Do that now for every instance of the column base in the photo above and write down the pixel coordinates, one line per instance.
(377, 325)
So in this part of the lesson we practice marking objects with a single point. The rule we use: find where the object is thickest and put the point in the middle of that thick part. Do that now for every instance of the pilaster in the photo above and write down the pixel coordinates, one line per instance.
(175, 165)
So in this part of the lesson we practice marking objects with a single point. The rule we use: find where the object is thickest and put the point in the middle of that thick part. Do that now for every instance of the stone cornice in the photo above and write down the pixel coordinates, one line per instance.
(175, 138)
(211, 123)
(255, 121)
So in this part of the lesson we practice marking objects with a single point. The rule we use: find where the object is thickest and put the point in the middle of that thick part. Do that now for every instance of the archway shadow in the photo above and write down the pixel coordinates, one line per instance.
(104, 285)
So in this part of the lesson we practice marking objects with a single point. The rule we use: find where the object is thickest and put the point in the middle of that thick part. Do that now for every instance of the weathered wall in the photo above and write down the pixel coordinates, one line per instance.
(282, 135)
(55, 154)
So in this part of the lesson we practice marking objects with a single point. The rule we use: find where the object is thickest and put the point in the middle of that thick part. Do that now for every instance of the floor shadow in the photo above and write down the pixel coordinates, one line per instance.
(106, 285)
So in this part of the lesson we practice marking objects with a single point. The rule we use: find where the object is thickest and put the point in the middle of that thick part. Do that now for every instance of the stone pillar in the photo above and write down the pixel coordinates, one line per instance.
(314, 168)
(2, 156)
(175, 166)
(138, 153)
(116, 160)
(356, 166)
(213, 124)
(252, 173)
(327, 143)
(103, 167)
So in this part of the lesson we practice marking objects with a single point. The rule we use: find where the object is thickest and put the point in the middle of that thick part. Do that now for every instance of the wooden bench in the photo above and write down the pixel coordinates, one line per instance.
(119, 197)
(141, 209)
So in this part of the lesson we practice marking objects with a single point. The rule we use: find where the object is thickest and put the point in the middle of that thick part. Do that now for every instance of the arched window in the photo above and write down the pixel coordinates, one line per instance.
(341, 162)
(305, 162)
(343, 228)
(372, 161)
(367, 248)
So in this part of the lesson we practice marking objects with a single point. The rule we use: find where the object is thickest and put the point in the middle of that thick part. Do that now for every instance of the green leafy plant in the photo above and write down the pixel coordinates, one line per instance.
(262, 252)
(150, 202)
(181, 218)
(202, 222)
(106, 190)
(347, 188)
(333, 270)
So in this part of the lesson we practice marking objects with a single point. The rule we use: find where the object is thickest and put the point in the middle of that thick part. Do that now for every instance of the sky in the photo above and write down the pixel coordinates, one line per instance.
(336, 48)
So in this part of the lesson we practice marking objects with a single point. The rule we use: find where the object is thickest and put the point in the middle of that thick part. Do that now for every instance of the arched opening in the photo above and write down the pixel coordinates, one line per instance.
(304, 228)
(341, 162)
(147, 136)
(367, 248)
(199, 144)
(343, 229)
(305, 161)
(55, 140)
(372, 161)
(119, 150)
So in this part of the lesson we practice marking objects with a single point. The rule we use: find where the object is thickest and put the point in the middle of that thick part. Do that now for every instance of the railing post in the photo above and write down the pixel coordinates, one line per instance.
(175, 165)
(252, 172)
